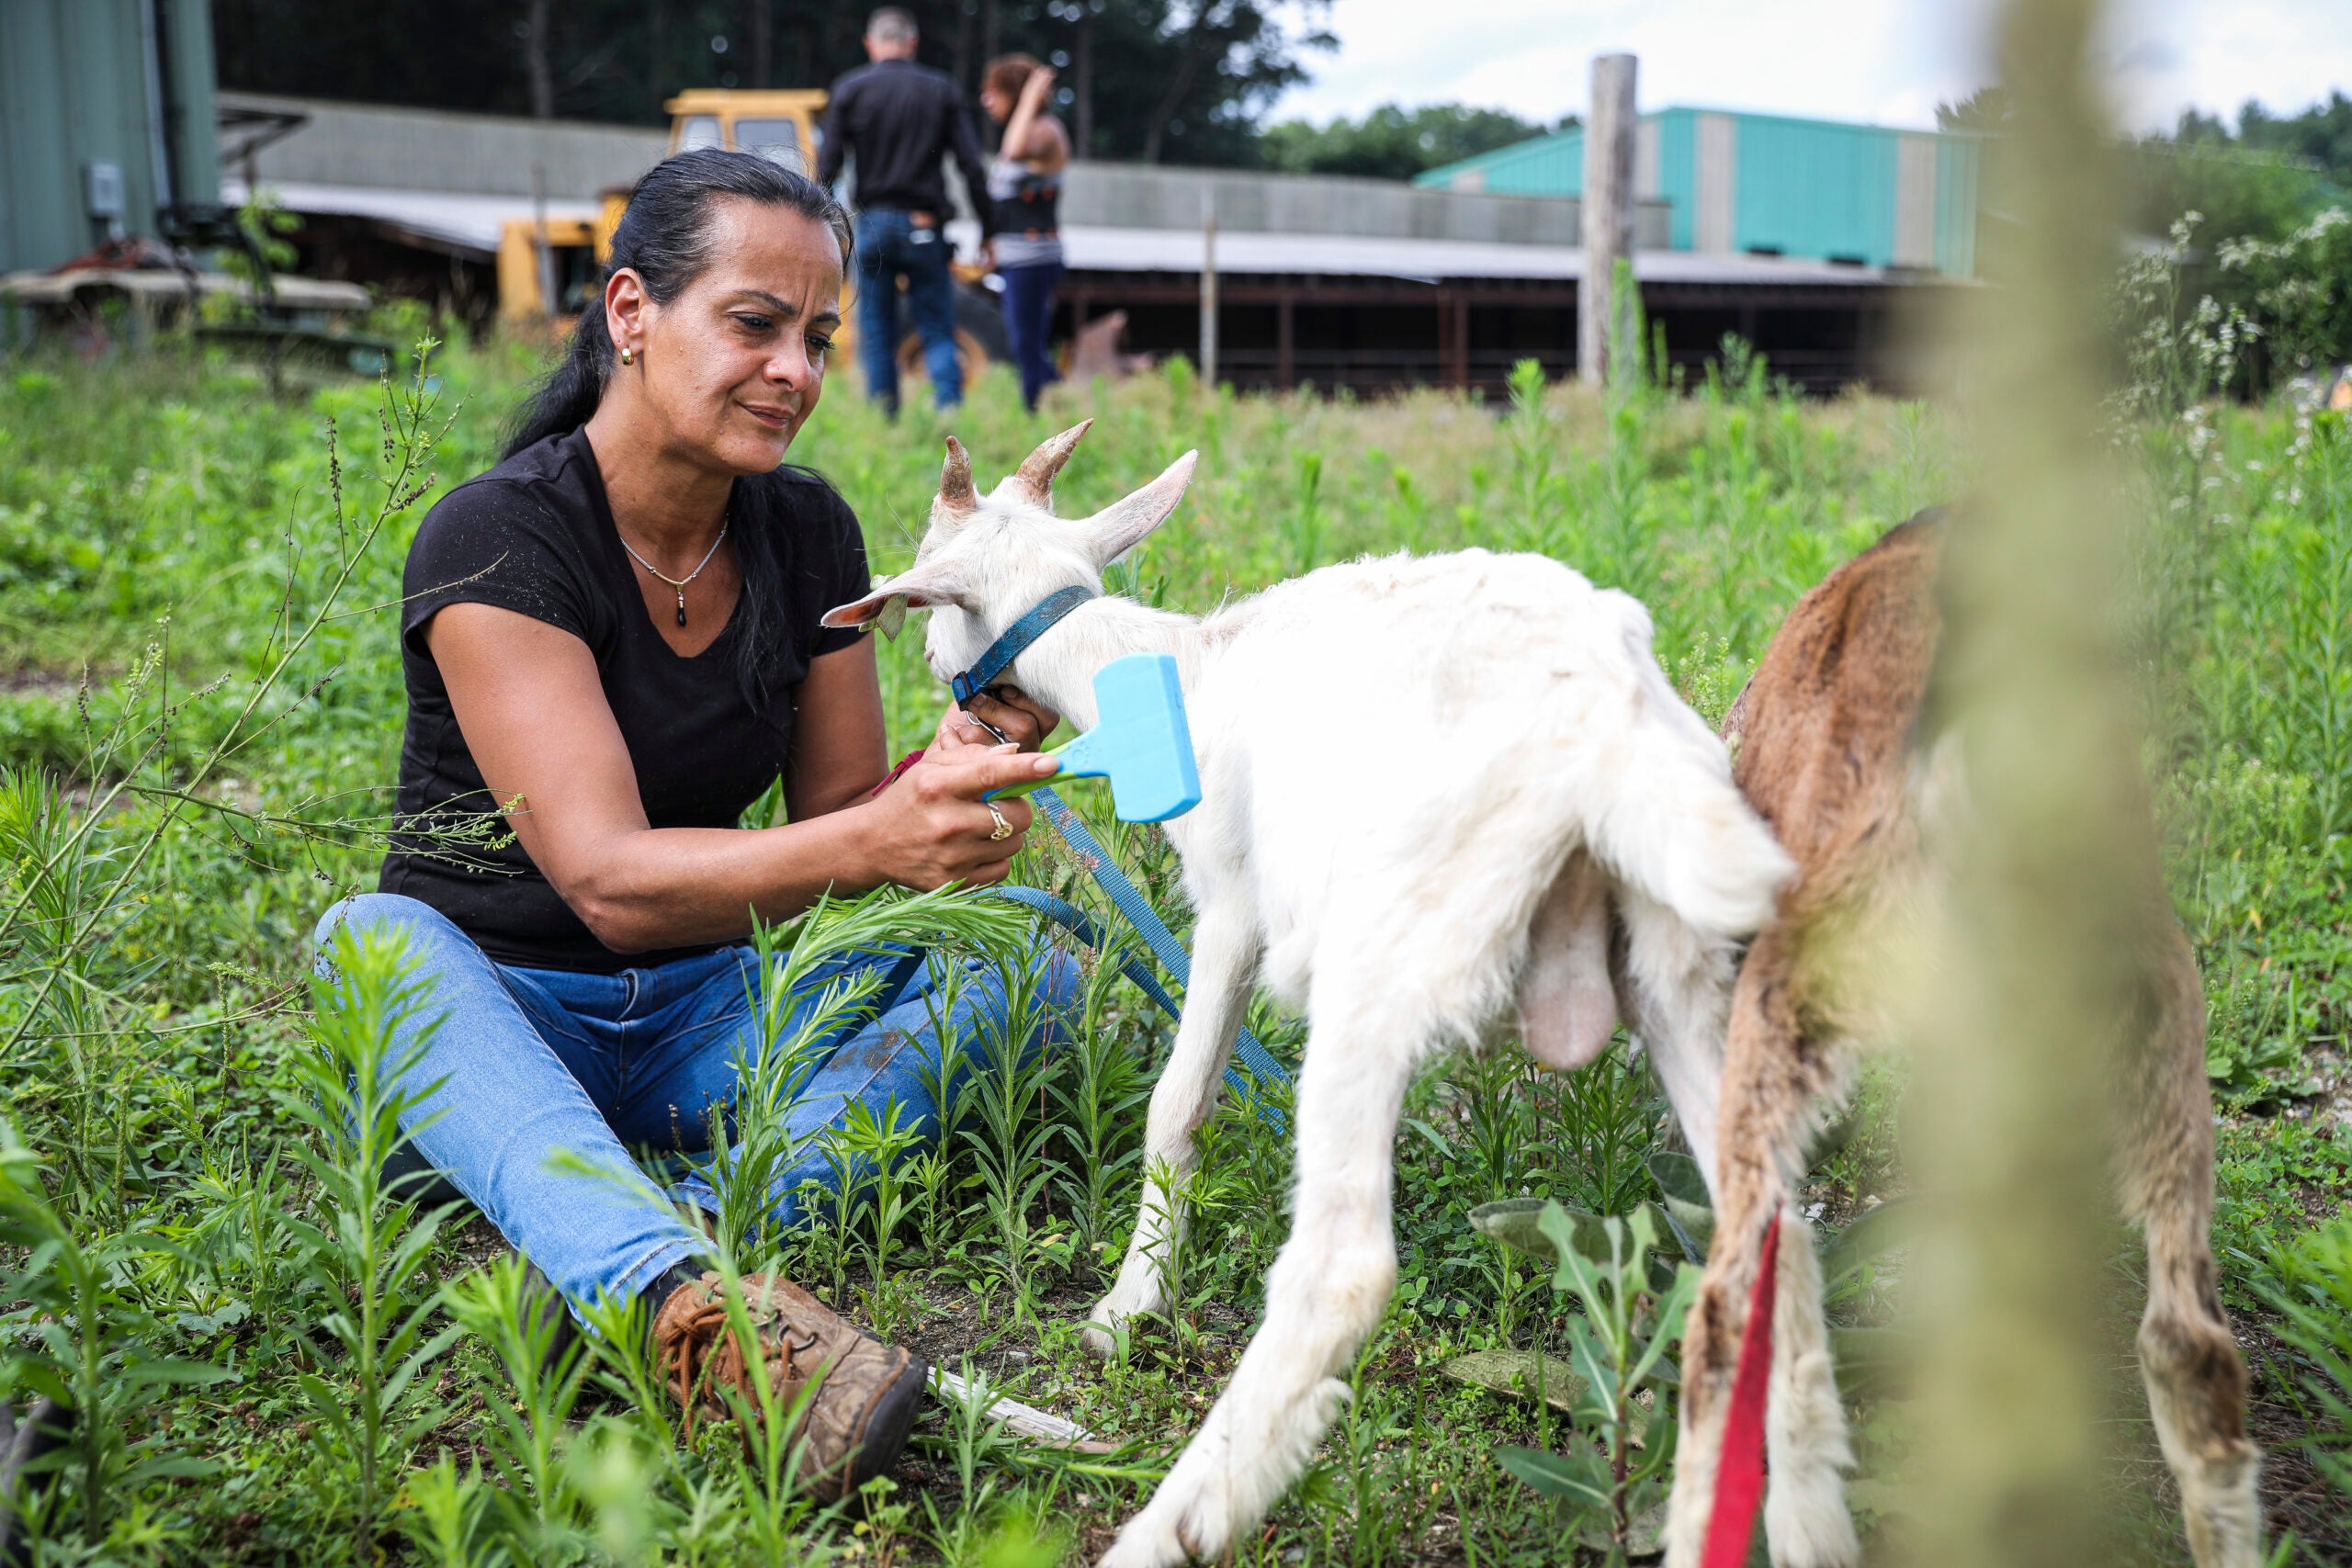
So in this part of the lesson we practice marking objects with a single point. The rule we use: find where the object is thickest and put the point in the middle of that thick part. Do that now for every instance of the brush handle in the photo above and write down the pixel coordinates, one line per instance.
(1014, 792)
(1066, 770)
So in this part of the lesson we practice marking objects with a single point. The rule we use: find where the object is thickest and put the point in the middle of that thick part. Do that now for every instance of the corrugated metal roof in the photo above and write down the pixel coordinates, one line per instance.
(469, 222)
(475, 221)
(400, 147)
(1179, 250)
(1544, 165)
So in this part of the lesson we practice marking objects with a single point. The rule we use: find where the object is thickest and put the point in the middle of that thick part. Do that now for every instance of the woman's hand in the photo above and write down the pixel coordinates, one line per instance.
(1027, 127)
(932, 828)
(1023, 718)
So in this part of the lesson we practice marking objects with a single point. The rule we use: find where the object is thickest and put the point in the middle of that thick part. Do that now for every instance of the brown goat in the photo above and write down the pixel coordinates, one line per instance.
(1827, 747)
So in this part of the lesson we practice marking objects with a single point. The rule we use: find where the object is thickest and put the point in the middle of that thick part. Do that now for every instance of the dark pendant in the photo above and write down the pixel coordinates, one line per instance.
(681, 607)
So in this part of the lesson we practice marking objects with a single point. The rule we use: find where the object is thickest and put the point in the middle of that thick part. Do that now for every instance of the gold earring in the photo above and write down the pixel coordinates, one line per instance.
(628, 357)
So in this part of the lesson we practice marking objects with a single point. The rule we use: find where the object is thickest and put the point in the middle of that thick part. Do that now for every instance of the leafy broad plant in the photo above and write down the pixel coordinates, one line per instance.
(200, 688)
(1614, 1475)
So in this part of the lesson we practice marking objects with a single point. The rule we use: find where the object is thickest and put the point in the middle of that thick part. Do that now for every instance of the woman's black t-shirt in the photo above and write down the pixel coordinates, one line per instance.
(535, 535)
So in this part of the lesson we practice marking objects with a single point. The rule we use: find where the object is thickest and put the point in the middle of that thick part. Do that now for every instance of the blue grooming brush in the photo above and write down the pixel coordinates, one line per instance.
(1140, 742)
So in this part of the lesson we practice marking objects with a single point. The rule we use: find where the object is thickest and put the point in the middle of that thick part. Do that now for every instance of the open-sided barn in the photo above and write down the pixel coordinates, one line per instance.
(1361, 283)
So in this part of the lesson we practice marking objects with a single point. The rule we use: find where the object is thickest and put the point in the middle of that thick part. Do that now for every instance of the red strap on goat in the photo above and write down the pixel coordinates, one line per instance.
(1739, 1467)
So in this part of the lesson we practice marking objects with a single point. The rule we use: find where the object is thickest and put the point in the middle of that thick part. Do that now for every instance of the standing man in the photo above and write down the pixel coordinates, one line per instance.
(900, 118)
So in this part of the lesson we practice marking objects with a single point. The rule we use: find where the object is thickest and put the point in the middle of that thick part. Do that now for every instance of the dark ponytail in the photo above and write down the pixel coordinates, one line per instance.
(665, 236)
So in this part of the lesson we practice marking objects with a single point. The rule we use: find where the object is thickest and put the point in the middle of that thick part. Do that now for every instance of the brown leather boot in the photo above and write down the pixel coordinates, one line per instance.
(852, 1427)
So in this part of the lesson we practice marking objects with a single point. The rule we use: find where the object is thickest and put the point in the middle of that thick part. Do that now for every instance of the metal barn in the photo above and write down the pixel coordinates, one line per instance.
(1772, 186)
(105, 121)
(1362, 284)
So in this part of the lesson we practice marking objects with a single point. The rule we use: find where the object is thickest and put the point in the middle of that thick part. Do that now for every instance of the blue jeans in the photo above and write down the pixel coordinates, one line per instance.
(534, 1063)
(1028, 316)
(890, 247)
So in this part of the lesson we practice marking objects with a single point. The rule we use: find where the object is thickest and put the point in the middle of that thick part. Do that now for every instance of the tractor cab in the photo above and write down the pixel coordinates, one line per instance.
(550, 269)
(779, 125)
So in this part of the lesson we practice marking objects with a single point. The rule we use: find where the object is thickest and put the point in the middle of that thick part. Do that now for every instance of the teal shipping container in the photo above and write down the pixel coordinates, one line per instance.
(1771, 184)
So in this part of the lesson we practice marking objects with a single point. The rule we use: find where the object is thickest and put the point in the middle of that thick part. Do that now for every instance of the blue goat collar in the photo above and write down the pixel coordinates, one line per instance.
(1015, 639)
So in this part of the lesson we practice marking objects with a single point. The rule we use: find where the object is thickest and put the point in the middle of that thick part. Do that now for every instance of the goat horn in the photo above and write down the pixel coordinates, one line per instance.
(956, 494)
(1035, 477)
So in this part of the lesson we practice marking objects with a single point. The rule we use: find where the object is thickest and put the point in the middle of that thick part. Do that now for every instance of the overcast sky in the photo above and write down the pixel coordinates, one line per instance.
(1885, 61)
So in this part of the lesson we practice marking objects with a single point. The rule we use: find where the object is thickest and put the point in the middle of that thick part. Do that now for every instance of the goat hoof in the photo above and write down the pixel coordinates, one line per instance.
(1141, 1545)
(1098, 1342)
(1170, 1531)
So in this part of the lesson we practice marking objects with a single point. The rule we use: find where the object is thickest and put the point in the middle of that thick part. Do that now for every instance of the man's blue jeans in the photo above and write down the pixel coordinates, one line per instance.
(889, 246)
(537, 1063)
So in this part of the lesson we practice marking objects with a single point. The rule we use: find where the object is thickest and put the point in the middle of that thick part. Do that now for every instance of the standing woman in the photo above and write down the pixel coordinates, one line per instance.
(611, 647)
(1024, 188)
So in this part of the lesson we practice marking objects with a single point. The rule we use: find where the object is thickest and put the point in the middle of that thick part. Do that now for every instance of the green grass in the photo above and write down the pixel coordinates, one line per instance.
(199, 711)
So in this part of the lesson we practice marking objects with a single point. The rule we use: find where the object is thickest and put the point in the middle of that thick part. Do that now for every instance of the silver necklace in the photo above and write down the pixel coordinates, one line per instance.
(679, 583)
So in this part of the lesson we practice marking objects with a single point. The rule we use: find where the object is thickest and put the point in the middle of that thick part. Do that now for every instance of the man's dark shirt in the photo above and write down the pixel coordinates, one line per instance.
(900, 119)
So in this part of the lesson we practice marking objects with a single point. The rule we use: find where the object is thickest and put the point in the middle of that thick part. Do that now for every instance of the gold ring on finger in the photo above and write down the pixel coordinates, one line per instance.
(1003, 828)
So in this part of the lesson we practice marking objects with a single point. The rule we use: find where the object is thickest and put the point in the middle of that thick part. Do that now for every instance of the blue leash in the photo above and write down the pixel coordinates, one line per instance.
(1098, 862)
(1154, 933)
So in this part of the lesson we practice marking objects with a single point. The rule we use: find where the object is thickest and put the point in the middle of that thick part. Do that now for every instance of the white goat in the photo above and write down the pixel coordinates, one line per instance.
(1425, 781)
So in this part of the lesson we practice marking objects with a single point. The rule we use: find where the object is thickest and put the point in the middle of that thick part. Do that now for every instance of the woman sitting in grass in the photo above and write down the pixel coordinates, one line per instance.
(611, 642)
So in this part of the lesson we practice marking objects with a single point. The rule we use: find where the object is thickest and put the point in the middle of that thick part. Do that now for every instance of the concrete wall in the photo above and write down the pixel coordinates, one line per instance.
(86, 82)
(363, 144)
(1133, 195)
(354, 144)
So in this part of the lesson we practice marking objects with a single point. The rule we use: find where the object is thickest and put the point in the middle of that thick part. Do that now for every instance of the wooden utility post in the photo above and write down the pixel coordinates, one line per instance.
(1607, 212)
(1208, 289)
(545, 253)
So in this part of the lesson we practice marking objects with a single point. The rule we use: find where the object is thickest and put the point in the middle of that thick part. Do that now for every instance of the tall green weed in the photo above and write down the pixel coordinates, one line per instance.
(169, 832)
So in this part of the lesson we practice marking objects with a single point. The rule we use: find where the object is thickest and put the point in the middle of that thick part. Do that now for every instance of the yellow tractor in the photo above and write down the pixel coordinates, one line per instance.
(780, 124)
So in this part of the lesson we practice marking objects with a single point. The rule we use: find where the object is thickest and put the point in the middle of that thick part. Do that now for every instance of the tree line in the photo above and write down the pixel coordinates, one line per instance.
(2255, 217)
(2261, 179)
(1154, 81)
(1173, 80)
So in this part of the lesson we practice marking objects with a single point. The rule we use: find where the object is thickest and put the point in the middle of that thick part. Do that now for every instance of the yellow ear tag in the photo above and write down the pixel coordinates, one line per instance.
(893, 616)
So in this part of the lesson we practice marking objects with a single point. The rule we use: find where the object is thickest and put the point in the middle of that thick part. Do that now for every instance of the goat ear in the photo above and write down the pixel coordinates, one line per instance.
(1119, 528)
(924, 586)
